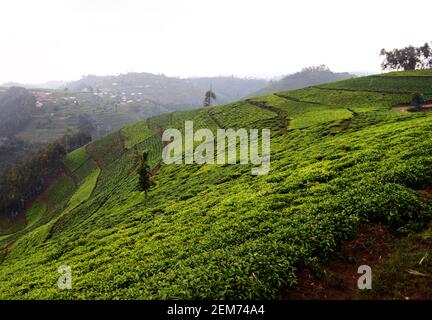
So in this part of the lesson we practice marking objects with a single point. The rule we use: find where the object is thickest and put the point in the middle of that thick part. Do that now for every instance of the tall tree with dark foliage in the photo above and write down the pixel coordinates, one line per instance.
(145, 181)
(209, 96)
(408, 58)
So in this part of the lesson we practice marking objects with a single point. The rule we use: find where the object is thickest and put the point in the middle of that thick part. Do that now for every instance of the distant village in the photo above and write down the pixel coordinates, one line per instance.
(123, 98)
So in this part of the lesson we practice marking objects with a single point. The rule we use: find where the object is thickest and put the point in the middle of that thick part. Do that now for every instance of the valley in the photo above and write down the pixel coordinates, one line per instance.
(341, 158)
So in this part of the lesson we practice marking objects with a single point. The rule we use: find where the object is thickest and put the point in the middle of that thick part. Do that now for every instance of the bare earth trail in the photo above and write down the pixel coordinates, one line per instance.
(407, 107)
(215, 120)
(343, 124)
(281, 114)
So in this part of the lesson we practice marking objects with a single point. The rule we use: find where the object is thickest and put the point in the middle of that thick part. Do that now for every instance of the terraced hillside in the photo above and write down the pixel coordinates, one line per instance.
(341, 157)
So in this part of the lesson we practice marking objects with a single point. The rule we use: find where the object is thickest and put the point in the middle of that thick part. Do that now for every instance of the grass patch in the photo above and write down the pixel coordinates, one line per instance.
(35, 213)
(85, 189)
(76, 158)
(136, 133)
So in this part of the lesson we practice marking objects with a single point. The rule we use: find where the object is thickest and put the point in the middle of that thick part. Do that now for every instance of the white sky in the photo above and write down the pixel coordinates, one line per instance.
(64, 39)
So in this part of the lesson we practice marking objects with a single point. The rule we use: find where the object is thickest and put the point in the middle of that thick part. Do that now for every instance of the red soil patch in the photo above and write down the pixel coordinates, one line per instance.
(371, 244)
(155, 170)
(426, 108)
(407, 107)
(8, 247)
(426, 194)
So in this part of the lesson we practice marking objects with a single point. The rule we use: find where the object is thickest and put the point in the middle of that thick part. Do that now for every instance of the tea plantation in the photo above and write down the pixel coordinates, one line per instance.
(340, 157)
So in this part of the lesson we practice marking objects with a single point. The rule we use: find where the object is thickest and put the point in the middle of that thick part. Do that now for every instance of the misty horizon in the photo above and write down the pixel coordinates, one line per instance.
(64, 40)
(54, 83)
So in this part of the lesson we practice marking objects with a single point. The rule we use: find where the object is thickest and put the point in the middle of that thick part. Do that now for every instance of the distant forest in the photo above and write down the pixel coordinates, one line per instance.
(310, 76)
(29, 176)
(16, 107)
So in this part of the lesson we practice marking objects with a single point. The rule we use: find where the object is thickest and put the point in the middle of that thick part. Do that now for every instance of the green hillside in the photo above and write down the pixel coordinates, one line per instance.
(341, 156)
(307, 77)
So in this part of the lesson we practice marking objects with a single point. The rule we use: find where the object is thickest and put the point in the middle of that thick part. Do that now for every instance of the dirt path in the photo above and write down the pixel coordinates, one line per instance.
(407, 107)
(282, 116)
(402, 108)
(8, 247)
(344, 124)
(427, 107)
(338, 278)
(215, 120)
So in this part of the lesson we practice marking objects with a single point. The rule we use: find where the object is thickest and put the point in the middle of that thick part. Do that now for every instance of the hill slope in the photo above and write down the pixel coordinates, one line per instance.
(171, 90)
(307, 77)
(340, 157)
(109, 103)
(228, 89)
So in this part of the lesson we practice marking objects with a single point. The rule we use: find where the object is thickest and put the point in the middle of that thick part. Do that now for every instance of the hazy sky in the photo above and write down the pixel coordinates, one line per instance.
(64, 39)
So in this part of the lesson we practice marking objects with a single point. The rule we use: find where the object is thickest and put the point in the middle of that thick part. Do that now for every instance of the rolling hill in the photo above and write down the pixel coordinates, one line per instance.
(113, 102)
(228, 89)
(341, 157)
(307, 77)
(187, 92)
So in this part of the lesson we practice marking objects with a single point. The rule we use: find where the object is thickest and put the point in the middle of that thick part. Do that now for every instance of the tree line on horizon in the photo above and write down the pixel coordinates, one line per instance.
(408, 58)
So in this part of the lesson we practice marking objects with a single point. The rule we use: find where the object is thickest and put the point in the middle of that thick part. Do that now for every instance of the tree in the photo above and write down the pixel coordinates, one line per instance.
(209, 96)
(426, 53)
(86, 123)
(72, 141)
(28, 178)
(145, 181)
(320, 68)
(417, 100)
(16, 108)
(408, 58)
(137, 157)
